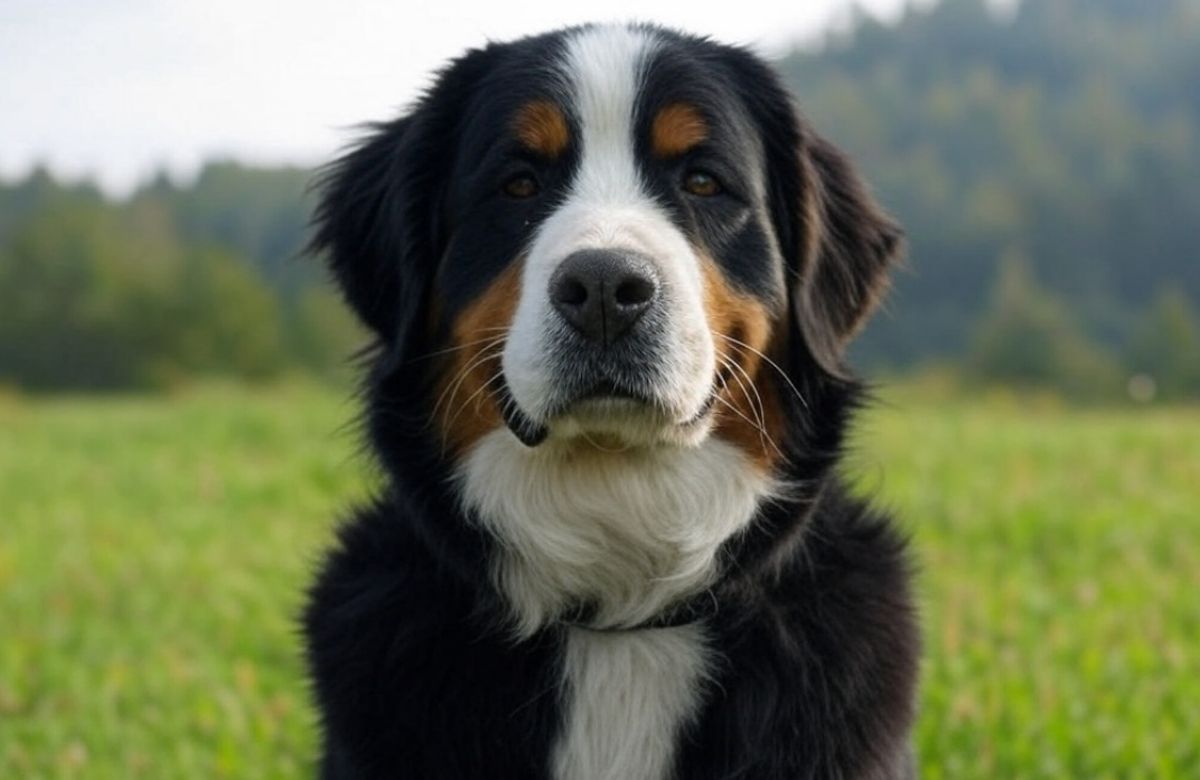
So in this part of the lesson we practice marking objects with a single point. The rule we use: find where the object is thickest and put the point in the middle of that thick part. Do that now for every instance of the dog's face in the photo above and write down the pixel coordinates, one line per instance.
(609, 236)
(620, 205)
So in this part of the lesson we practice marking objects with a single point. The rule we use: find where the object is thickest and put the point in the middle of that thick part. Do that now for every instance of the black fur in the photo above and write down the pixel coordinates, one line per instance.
(414, 674)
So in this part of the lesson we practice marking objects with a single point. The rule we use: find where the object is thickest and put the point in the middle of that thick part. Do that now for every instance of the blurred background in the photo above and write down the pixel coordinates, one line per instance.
(175, 418)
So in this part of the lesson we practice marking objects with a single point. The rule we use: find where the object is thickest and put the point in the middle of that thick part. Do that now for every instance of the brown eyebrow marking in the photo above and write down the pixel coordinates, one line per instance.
(541, 126)
(676, 129)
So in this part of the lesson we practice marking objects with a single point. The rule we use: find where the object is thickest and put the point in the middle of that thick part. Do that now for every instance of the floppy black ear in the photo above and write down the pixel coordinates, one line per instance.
(377, 217)
(847, 245)
(364, 227)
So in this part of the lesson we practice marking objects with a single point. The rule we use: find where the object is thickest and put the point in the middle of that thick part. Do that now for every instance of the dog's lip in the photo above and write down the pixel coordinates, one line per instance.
(613, 397)
(609, 388)
(530, 432)
(705, 408)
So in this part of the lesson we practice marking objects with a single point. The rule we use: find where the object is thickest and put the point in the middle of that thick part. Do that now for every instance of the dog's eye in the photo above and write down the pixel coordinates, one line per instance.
(701, 183)
(521, 186)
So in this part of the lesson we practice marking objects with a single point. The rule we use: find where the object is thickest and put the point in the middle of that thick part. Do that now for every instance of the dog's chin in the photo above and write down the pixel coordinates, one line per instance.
(616, 423)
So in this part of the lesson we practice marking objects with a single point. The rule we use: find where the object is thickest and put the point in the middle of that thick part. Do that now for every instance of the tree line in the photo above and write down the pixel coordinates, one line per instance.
(171, 284)
(1045, 161)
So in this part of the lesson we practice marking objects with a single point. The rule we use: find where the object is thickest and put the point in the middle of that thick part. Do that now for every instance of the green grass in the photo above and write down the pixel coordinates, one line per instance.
(1060, 585)
(153, 554)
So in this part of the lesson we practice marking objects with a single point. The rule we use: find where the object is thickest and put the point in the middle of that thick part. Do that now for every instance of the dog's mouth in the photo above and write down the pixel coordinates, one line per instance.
(607, 388)
(530, 432)
(607, 406)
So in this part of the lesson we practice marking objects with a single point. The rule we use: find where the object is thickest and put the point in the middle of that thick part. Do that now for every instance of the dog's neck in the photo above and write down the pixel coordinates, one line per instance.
(630, 534)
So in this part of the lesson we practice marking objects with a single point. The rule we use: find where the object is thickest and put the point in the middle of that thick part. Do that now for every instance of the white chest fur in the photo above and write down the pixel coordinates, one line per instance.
(629, 694)
(629, 532)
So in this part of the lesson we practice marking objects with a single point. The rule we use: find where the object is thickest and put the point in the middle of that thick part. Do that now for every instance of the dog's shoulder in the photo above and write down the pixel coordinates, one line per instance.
(407, 671)
(818, 657)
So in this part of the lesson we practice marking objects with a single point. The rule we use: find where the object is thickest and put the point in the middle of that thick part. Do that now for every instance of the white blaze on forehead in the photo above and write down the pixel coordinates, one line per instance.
(605, 66)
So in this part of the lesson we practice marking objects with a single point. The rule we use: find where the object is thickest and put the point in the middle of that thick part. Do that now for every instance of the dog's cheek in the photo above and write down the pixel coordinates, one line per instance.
(749, 415)
(465, 407)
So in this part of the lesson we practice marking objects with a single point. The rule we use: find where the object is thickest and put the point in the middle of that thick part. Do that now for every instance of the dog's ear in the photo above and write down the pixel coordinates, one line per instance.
(363, 227)
(378, 214)
(846, 245)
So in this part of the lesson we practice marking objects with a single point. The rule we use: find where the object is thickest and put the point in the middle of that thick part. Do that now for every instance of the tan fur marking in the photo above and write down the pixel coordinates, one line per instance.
(750, 420)
(466, 408)
(676, 129)
(541, 126)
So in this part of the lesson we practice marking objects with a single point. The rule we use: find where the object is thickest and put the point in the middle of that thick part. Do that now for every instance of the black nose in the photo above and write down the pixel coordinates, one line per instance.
(603, 293)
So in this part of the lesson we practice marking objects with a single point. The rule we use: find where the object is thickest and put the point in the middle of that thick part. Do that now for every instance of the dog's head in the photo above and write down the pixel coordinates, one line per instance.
(610, 236)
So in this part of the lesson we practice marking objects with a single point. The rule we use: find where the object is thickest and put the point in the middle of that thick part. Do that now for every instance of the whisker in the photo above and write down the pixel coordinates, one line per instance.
(736, 411)
(759, 412)
(762, 432)
(480, 359)
(762, 408)
(460, 377)
(463, 406)
(488, 342)
(771, 363)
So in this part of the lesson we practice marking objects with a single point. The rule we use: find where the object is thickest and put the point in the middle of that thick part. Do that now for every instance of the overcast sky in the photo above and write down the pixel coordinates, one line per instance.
(118, 88)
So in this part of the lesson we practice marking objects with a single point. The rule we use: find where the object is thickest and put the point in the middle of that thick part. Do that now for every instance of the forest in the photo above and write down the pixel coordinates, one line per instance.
(1044, 160)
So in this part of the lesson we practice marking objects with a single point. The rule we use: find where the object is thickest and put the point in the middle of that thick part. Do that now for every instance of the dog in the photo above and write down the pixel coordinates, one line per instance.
(612, 274)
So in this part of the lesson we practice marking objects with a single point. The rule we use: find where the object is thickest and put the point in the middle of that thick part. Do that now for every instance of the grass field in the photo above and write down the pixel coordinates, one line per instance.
(153, 555)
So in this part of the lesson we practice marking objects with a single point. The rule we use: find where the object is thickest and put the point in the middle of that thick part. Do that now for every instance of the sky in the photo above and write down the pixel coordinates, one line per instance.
(118, 89)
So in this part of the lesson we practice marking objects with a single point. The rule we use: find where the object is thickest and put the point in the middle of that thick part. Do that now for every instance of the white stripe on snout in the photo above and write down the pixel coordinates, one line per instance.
(607, 207)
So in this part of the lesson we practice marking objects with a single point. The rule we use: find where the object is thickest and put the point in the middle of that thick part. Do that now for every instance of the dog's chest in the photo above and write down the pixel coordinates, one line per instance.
(629, 534)
(628, 696)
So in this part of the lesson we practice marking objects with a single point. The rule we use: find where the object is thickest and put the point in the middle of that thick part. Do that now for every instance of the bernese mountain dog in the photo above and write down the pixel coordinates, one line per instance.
(612, 274)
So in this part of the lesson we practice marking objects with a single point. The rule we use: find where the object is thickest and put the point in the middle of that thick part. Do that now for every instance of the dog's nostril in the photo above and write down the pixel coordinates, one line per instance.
(570, 292)
(634, 291)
